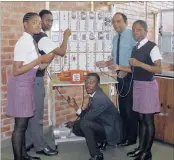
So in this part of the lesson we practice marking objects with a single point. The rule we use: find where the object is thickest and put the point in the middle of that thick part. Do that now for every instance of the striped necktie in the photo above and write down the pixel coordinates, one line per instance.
(90, 102)
(137, 45)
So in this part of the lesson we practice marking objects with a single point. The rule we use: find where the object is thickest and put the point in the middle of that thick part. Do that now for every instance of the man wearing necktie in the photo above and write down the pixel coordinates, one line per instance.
(99, 121)
(123, 43)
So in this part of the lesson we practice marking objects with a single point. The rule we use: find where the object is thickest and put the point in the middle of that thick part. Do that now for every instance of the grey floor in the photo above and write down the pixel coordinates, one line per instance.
(78, 151)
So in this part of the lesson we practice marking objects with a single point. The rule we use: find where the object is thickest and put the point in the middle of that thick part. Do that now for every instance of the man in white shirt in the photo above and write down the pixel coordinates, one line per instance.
(34, 134)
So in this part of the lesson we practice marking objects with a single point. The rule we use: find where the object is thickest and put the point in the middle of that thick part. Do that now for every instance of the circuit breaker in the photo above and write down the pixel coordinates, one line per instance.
(90, 41)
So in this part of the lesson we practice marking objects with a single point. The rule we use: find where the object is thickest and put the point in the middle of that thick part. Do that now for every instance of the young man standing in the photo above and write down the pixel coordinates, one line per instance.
(34, 134)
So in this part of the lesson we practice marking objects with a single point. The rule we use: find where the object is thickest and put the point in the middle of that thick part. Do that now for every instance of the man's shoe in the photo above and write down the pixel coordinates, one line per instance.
(127, 143)
(48, 151)
(97, 157)
(134, 153)
(144, 156)
(103, 146)
(28, 157)
(28, 148)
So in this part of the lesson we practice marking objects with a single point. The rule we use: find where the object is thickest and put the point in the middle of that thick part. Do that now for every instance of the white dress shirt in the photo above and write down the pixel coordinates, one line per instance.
(80, 109)
(25, 50)
(154, 54)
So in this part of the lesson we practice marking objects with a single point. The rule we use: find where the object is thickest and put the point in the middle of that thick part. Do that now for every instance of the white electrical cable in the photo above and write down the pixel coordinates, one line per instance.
(119, 93)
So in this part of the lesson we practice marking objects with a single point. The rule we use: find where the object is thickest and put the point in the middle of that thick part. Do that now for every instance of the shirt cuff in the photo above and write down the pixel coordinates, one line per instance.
(79, 111)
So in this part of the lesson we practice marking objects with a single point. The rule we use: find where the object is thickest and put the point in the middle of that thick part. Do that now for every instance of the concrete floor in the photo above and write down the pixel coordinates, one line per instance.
(78, 151)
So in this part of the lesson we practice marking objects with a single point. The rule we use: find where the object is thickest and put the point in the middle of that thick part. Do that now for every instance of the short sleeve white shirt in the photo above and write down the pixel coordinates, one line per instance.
(46, 44)
(154, 54)
(25, 50)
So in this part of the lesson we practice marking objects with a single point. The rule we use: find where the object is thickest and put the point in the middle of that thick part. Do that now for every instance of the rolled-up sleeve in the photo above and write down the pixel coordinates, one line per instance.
(45, 44)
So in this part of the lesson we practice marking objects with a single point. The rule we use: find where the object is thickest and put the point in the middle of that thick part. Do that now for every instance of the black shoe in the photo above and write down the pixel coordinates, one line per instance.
(144, 156)
(28, 148)
(126, 143)
(48, 151)
(103, 146)
(28, 157)
(97, 157)
(134, 153)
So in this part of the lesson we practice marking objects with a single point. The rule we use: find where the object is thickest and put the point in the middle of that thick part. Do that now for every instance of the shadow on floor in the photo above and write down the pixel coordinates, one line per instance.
(78, 151)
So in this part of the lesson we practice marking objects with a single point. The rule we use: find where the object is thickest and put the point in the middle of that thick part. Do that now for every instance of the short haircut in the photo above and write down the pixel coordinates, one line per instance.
(43, 12)
(142, 23)
(28, 16)
(94, 75)
(123, 16)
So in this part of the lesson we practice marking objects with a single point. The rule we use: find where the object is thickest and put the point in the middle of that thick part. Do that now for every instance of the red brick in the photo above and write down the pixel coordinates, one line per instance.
(45, 123)
(6, 15)
(12, 42)
(5, 128)
(7, 49)
(4, 43)
(65, 112)
(9, 72)
(4, 96)
(5, 28)
(7, 121)
(3, 109)
(59, 120)
(71, 116)
(3, 103)
(6, 62)
(3, 88)
(59, 108)
(3, 116)
(11, 22)
(6, 56)
(8, 134)
(8, 36)
(58, 97)
(63, 103)
(3, 75)
(45, 117)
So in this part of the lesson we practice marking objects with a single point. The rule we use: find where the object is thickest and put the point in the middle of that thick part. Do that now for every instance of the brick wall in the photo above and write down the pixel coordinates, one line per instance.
(11, 29)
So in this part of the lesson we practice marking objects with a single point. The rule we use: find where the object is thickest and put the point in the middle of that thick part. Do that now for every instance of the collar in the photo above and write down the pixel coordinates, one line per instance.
(42, 30)
(25, 34)
(142, 42)
(92, 95)
(121, 33)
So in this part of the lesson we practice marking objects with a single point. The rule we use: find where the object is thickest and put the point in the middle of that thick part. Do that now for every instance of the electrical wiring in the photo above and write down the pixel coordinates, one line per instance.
(119, 92)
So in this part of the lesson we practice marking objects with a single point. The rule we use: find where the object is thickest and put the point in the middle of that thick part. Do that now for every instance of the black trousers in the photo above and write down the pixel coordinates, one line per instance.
(92, 131)
(18, 138)
(146, 131)
(129, 117)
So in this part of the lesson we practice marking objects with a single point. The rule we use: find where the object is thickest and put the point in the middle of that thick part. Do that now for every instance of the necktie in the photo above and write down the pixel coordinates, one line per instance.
(90, 102)
(137, 45)
(118, 49)
(36, 47)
